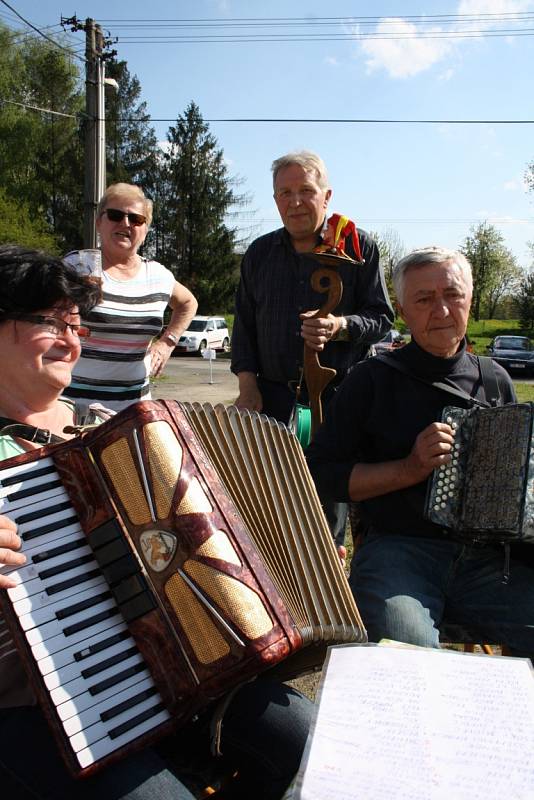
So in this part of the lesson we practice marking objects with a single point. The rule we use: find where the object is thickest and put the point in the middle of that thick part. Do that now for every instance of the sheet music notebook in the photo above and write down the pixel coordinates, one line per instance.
(415, 724)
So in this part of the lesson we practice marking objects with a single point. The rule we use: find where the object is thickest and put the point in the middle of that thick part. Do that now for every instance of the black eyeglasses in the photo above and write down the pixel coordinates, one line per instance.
(116, 215)
(54, 325)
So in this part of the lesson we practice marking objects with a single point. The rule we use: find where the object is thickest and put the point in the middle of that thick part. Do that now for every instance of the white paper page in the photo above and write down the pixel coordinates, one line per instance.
(402, 724)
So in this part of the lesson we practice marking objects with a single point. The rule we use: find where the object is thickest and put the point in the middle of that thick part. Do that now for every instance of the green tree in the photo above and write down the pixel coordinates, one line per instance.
(494, 267)
(199, 194)
(504, 283)
(19, 226)
(391, 249)
(41, 154)
(524, 303)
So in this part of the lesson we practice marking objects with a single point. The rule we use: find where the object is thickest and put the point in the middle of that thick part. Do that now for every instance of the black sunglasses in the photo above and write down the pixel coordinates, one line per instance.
(115, 215)
(54, 325)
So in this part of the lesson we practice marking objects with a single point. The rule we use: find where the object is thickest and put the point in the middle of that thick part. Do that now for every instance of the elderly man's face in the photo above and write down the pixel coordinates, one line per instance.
(301, 202)
(436, 307)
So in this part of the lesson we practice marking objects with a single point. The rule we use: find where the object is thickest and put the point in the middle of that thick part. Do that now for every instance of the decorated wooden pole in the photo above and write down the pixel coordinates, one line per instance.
(317, 377)
(326, 279)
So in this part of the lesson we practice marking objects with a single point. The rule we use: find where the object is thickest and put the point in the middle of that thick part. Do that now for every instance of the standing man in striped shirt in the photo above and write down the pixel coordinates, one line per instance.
(123, 352)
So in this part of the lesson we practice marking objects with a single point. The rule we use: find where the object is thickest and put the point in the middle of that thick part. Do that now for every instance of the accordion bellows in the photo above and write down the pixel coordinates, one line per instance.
(211, 561)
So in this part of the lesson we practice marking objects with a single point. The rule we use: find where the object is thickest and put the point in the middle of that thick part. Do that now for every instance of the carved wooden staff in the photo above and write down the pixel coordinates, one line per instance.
(317, 377)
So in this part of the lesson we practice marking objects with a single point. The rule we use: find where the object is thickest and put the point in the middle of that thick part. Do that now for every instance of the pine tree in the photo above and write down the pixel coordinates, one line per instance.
(199, 194)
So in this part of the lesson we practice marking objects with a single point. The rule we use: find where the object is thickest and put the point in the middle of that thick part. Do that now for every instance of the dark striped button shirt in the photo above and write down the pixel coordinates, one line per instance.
(275, 288)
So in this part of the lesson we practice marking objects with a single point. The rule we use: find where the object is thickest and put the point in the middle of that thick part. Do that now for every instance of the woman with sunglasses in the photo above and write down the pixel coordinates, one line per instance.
(123, 353)
(264, 730)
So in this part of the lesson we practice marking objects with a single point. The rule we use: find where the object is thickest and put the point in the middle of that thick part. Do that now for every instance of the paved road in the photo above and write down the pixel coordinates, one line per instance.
(193, 378)
(190, 378)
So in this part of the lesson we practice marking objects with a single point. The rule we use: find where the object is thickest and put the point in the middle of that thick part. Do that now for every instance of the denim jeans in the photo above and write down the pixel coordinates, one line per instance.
(407, 586)
(263, 736)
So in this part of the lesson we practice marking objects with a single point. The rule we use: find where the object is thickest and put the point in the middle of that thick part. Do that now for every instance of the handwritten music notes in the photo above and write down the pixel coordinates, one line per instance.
(414, 724)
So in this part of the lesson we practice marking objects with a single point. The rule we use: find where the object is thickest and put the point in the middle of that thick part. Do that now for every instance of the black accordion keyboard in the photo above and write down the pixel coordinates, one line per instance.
(485, 492)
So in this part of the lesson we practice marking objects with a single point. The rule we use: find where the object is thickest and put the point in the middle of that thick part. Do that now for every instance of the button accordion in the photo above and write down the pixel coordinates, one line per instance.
(173, 552)
(485, 494)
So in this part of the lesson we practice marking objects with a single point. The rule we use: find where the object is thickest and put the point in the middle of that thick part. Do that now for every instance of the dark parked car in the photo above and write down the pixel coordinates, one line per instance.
(514, 353)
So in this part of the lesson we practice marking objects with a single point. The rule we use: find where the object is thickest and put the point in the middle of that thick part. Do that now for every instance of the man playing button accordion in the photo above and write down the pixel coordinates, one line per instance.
(382, 440)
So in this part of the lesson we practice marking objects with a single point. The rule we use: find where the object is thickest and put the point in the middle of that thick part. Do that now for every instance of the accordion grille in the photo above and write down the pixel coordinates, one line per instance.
(219, 546)
(204, 637)
(122, 473)
(165, 461)
(241, 605)
(195, 500)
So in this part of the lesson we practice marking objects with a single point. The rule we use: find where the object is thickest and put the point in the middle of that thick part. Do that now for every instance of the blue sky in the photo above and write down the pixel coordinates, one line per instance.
(428, 183)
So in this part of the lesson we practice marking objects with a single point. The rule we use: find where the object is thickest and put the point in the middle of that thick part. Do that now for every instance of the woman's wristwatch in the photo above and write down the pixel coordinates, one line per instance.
(170, 337)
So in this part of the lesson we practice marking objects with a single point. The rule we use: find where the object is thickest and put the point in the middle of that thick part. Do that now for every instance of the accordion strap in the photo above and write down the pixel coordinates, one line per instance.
(489, 380)
(487, 372)
(10, 427)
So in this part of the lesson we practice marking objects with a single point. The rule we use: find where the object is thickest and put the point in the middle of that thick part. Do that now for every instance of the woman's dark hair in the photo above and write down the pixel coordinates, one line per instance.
(31, 280)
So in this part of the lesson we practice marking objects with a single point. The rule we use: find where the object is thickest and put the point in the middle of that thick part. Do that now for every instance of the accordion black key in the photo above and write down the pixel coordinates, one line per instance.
(485, 494)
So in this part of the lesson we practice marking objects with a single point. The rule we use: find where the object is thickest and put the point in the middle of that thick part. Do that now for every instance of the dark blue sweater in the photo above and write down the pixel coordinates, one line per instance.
(376, 416)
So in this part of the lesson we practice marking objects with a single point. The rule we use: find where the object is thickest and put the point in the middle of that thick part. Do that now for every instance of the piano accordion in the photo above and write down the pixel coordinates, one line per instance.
(173, 552)
(485, 494)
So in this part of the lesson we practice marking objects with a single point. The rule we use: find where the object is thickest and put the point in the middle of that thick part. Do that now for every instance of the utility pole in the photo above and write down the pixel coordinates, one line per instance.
(95, 131)
(95, 137)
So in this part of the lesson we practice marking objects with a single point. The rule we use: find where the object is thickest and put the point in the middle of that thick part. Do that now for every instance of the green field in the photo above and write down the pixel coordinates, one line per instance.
(524, 392)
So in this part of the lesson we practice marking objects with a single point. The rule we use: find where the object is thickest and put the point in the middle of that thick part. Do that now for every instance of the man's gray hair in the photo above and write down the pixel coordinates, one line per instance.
(422, 258)
(310, 162)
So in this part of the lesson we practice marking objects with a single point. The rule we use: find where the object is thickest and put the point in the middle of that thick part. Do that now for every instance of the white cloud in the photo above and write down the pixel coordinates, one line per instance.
(331, 61)
(493, 6)
(403, 58)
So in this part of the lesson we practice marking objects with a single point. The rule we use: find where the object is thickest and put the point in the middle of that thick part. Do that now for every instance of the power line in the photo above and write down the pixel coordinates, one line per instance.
(342, 37)
(367, 20)
(299, 29)
(43, 110)
(44, 35)
(338, 121)
(377, 121)
(149, 119)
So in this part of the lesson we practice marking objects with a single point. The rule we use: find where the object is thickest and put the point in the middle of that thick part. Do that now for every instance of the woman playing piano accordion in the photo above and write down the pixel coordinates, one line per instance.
(265, 725)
